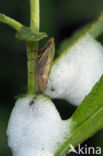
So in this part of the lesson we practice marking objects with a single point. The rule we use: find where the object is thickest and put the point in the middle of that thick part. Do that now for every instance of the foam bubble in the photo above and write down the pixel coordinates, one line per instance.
(35, 127)
(77, 71)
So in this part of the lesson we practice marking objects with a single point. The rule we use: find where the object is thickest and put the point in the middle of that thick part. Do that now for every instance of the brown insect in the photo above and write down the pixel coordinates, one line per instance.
(44, 64)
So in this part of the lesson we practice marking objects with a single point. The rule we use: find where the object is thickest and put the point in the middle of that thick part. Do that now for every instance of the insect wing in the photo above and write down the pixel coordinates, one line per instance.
(44, 64)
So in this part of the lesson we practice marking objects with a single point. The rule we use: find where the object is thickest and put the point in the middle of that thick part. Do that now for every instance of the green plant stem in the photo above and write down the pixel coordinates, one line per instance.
(34, 20)
(11, 22)
(32, 66)
(32, 48)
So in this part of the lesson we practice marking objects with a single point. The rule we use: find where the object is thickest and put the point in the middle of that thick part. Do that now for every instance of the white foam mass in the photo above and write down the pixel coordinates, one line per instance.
(77, 71)
(35, 127)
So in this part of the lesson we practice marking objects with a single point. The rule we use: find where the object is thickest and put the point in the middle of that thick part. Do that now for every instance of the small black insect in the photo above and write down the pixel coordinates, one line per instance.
(52, 89)
(32, 102)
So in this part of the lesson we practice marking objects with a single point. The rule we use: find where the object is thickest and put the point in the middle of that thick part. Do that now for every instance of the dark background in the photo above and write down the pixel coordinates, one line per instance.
(59, 18)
